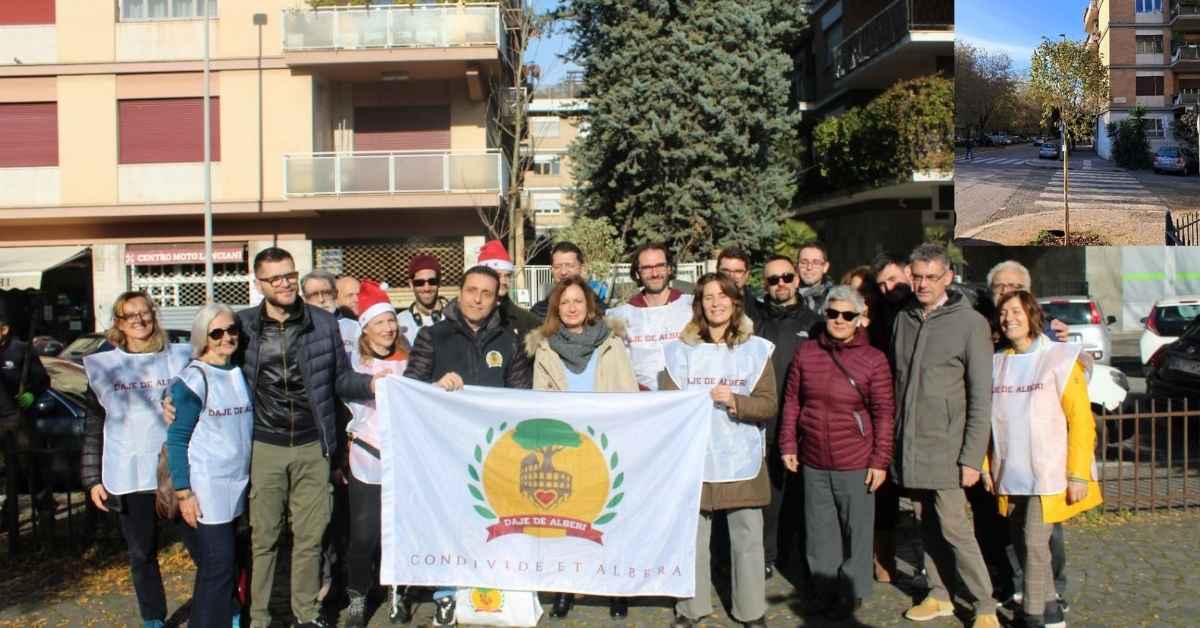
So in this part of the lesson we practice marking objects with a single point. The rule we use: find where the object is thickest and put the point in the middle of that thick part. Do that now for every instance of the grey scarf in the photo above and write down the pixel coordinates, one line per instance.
(576, 350)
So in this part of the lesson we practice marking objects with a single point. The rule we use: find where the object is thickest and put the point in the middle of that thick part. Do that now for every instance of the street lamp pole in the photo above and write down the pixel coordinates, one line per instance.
(208, 215)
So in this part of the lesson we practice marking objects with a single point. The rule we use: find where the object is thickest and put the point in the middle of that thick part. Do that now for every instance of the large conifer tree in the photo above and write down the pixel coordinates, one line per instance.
(690, 134)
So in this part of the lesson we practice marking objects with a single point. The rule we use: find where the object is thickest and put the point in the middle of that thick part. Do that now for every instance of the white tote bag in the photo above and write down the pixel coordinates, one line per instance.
(497, 607)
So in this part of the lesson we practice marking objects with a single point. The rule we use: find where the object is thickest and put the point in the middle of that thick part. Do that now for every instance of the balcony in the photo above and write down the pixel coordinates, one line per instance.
(1186, 58)
(906, 31)
(390, 34)
(413, 179)
(1185, 99)
(1185, 10)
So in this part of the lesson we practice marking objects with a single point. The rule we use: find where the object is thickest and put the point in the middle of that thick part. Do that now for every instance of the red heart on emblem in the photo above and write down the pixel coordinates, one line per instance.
(546, 497)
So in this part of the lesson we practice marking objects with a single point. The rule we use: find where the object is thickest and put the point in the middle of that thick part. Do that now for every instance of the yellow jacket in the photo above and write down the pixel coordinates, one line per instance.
(1081, 445)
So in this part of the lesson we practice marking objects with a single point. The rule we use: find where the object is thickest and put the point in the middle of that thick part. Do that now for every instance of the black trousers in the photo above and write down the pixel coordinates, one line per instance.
(213, 605)
(139, 526)
(362, 555)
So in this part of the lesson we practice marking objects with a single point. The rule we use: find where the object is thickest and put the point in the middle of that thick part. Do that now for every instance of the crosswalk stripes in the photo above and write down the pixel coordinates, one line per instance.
(995, 161)
(1098, 190)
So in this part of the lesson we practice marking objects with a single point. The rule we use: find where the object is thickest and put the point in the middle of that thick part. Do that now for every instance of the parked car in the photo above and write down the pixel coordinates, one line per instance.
(1167, 320)
(1037, 141)
(1050, 150)
(57, 418)
(1174, 370)
(1173, 159)
(1086, 324)
(88, 344)
(984, 140)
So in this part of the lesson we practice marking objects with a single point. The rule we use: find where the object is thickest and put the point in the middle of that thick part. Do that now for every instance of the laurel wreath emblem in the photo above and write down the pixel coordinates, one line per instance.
(476, 479)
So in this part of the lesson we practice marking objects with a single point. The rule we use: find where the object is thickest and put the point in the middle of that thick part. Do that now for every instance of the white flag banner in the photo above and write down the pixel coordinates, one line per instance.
(595, 493)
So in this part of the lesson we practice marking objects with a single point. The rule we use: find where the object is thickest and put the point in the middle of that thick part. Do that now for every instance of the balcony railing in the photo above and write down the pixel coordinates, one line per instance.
(1187, 98)
(889, 27)
(1182, 9)
(1186, 53)
(375, 172)
(417, 26)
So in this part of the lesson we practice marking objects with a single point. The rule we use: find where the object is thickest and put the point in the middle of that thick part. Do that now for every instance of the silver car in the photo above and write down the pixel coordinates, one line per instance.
(1049, 150)
(1086, 324)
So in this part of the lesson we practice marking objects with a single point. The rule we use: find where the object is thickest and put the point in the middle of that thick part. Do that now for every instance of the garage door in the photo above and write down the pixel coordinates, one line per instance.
(401, 128)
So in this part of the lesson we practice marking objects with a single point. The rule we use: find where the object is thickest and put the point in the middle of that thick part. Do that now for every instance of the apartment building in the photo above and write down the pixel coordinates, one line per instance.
(351, 136)
(1152, 51)
(549, 183)
(851, 52)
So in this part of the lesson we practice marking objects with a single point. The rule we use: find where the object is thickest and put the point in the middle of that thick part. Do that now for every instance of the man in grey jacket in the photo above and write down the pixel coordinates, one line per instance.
(943, 353)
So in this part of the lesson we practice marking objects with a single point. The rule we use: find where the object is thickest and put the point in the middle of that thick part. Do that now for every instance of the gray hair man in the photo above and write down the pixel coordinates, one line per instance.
(1010, 276)
(319, 288)
(943, 353)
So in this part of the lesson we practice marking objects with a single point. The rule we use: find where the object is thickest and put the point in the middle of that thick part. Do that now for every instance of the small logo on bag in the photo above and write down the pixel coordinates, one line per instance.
(494, 359)
(487, 600)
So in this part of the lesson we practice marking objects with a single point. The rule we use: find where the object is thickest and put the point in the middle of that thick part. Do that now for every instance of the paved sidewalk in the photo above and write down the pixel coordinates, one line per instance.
(1124, 571)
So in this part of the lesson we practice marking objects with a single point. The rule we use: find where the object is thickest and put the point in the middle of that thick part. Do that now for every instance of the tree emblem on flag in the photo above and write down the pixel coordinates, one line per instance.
(544, 478)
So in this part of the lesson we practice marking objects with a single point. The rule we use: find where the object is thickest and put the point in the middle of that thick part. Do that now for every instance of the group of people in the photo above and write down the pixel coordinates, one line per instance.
(835, 400)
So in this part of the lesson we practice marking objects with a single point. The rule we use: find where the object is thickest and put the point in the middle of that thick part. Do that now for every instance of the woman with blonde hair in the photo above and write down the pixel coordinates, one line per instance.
(208, 453)
(1042, 464)
(578, 350)
(121, 447)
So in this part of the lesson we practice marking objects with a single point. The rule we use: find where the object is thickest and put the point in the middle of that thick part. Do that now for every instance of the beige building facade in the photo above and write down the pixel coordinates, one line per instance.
(352, 137)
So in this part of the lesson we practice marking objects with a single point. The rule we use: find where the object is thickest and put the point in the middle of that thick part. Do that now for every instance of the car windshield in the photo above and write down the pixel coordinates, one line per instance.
(1069, 312)
(83, 345)
(1172, 320)
(1168, 152)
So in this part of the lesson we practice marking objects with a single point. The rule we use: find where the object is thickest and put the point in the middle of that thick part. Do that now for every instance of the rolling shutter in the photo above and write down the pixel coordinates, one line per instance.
(13, 12)
(30, 134)
(401, 128)
(167, 130)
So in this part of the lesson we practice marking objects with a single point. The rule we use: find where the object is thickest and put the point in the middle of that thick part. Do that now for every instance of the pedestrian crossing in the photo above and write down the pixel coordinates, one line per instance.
(995, 161)
(1098, 190)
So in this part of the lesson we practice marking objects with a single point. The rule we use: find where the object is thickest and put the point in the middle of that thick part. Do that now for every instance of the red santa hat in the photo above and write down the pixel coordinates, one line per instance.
(494, 256)
(373, 301)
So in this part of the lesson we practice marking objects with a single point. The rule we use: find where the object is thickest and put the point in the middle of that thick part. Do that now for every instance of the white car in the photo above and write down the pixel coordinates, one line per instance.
(1168, 318)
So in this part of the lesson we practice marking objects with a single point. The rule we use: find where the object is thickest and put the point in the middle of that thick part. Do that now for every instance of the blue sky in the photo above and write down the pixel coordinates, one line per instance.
(1017, 26)
(545, 51)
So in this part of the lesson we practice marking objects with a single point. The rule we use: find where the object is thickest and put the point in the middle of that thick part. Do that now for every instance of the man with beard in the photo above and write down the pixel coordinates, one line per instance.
(813, 267)
(786, 321)
(494, 256)
(319, 288)
(566, 261)
(734, 263)
(895, 284)
(424, 279)
(655, 315)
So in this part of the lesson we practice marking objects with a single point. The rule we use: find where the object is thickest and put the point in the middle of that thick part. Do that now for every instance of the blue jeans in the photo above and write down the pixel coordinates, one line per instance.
(213, 604)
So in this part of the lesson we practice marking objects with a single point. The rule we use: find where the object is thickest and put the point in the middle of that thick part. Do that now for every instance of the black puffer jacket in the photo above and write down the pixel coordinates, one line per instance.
(786, 326)
(493, 356)
(313, 341)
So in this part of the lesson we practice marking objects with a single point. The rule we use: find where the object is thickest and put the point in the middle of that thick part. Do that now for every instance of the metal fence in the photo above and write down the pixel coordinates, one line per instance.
(1183, 229)
(890, 26)
(540, 279)
(1147, 458)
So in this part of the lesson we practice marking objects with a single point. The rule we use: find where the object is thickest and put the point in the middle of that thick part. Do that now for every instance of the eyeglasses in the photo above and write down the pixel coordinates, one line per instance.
(421, 283)
(145, 315)
(927, 278)
(1005, 288)
(219, 333)
(785, 278)
(320, 294)
(279, 280)
(646, 269)
(733, 271)
(810, 263)
(847, 316)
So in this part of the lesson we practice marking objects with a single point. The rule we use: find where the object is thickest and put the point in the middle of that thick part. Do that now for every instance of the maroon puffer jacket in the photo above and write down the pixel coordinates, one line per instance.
(817, 409)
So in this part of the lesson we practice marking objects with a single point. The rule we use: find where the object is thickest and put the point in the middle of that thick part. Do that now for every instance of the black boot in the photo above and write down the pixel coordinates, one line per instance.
(618, 607)
(402, 602)
(443, 611)
(563, 603)
(683, 621)
(761, 621)
(356, 612)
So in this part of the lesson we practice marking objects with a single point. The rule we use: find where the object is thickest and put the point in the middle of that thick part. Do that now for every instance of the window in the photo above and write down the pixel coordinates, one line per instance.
(833, 37)
(547, 165)
(543, 126)
(547, 203)
(1149, 6)
(30, 132)
(1153, 128)
(166, 130)
(1149, 86)
(132, 10)
(1149, 44)
(27, 12)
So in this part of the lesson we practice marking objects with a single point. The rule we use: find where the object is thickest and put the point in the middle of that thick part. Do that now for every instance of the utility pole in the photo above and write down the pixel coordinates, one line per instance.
(208, 215)
(1066, 185)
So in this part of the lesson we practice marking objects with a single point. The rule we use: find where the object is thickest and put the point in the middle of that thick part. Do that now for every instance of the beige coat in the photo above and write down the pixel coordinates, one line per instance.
(760, 406)
(614, 369)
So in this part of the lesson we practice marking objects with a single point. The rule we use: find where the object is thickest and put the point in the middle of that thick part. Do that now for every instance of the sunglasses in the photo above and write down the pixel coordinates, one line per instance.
(421, 283)
(832, 314)
(220, 333)
(785, 278)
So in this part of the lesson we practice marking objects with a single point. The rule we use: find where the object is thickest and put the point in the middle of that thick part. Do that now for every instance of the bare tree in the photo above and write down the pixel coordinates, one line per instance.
(984, 84)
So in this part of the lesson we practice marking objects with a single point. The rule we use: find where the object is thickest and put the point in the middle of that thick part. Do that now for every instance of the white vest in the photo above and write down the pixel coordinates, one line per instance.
(1029, 428)
(351, 330)
(736, 449)
(409, 325)
(219, 452)
(130, 387)
(365, 425)
(649, 329)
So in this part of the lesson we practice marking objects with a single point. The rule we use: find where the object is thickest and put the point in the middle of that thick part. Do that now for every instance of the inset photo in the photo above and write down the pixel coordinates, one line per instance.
(1076, 122)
